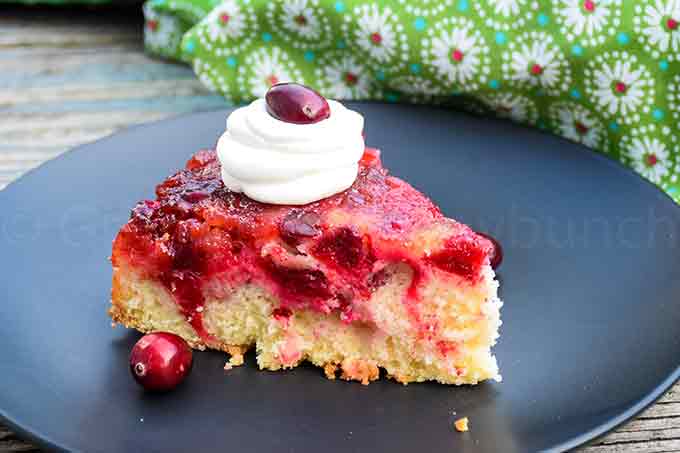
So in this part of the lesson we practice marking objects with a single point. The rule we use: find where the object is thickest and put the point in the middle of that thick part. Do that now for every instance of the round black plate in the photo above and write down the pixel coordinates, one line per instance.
(591, 283)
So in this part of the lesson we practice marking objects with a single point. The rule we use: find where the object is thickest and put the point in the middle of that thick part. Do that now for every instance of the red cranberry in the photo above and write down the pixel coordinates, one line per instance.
(295, 103)
(344, 248)
(497, 254)
(160, 361)
(461, 255)
(299, 224)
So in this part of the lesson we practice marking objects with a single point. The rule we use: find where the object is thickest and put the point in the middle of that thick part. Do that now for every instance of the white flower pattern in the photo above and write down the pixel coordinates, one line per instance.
(576, 123)
(457, 53)
(265, 68)
(161, 31)
(535, 61)
(343, 77)
(378, 34)
(658, 27)
(512, 106)
(590, 22)
(506, 14)
(647, 154)
(674, 99)
(619, 85)
(301, 23)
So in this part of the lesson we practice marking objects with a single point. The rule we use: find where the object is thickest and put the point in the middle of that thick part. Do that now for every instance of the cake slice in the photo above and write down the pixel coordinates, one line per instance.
(372, 277)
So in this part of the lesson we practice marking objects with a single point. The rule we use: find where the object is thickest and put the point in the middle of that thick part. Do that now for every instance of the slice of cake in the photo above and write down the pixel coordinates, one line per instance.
(371, 277)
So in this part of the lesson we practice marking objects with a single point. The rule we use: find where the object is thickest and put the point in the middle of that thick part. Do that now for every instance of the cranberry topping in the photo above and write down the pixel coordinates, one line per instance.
(299, 224)
(198, 230)
(160, 361)
(462, 255)
(297, 283)
(344, 248)
(295, 103)
(496, 257)
(282, 313)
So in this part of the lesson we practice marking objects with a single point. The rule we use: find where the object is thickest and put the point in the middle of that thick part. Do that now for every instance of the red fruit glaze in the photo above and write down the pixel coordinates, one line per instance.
(463, 256)
(160, 361)
(496, 257)
(295, 103)
(326, 256)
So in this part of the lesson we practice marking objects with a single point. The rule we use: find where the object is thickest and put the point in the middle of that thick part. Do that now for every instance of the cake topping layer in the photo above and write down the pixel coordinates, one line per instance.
(280, 162)
(328, 255)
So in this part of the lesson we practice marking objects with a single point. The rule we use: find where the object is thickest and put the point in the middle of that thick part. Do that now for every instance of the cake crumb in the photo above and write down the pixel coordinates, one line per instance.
(461, 424)
(227, 366)
(330, 369)
(236, 355)
(360, 370)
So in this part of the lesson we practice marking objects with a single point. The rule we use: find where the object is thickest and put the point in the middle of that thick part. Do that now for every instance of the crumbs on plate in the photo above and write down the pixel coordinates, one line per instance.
(461, 424)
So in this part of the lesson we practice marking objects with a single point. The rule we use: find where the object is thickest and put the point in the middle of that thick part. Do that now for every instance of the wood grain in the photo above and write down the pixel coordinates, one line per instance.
(70, 76)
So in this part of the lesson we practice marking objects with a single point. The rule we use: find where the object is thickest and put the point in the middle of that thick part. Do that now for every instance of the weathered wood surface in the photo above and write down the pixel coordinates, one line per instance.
(70, 76)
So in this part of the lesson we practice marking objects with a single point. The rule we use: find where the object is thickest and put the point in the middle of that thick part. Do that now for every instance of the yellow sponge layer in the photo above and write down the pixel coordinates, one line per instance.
(464, 320)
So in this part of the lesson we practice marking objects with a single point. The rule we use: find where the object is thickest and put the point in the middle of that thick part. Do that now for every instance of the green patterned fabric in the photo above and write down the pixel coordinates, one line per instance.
(605, 73)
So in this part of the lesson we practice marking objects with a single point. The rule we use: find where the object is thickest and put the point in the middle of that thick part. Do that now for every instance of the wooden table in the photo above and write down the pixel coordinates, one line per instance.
(70, 76)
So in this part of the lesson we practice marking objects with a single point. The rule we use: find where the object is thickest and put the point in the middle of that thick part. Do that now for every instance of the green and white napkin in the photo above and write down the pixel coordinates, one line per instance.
(605, 73)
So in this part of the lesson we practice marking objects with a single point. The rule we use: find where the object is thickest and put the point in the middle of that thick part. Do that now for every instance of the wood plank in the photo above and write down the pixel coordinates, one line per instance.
(648, 424)
(103, 91)
(660, 446)
(17, 123)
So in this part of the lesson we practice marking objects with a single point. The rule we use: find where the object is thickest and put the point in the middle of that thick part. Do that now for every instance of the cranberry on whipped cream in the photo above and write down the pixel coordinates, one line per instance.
(275, 161)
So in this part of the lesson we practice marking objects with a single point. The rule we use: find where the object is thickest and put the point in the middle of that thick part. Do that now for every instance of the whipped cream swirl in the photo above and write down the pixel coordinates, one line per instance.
(272, 161)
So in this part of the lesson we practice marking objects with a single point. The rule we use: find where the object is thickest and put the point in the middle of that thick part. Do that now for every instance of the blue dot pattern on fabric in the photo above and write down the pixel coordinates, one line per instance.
(663, 65)
(341, 44)
(266, 36)
(543, 20)
(622, 38)
(419, 24)
(495, 84)
(339, 7)
(309, 55)
(614, 126)
(189, 46)
(577, 50)
(501, 38)
(658, 114)
(415, 68)
(380, 75)
(232, 62)
(462, 5)
(576, 94)
(391, 97)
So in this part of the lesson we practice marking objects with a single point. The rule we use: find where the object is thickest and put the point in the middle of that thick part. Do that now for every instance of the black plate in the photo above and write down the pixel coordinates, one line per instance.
(591, 283)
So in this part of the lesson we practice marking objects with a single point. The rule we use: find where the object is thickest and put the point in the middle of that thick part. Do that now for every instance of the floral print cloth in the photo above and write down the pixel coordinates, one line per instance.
(604, 73)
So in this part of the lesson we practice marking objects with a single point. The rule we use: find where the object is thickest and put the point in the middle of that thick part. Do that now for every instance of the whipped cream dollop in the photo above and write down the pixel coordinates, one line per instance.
(273, 161)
